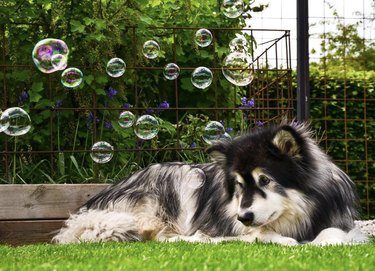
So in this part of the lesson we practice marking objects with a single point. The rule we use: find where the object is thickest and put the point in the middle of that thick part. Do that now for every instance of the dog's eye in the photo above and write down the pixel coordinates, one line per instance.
(263, 180)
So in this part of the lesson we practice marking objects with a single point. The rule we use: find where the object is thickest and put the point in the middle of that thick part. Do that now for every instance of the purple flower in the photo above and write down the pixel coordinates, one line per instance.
(111, 92)
(251, 103)
(229, 130)
(243, 101)
(247, 103)
(108, 125)
(126, 105)
(164, 105)
(193, 145)
(259, 123)
(23, 97)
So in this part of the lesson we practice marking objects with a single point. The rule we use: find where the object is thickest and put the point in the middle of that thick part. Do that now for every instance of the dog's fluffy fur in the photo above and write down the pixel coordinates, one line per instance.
(272, 185)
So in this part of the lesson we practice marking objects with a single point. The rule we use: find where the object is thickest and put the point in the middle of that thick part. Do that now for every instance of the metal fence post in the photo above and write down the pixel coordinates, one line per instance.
(303, 87)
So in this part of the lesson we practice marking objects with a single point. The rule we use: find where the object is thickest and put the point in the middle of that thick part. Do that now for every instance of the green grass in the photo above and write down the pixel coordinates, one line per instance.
(186, 256)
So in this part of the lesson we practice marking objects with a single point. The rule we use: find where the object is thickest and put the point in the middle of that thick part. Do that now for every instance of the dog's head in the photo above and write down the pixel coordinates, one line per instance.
(264, 172)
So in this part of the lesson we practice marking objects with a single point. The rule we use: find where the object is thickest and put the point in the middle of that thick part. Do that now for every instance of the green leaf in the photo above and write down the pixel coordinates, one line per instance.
(77, 26)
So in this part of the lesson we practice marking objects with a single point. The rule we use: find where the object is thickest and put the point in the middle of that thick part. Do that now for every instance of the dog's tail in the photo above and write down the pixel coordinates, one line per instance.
(98, 225)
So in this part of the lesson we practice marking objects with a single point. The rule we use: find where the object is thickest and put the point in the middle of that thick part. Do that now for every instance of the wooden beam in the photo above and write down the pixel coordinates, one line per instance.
(44, 201)
(29, 231)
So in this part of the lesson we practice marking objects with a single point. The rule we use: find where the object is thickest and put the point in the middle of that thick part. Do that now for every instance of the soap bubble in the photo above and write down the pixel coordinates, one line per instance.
(126, 119)
(101, 152)
(4, 121)
(71, 77)
(18, 119)
(213, 131)
(232, 8)
(151, 49)
(239, 44)
(146, 127)
(238, 69)
(50, 55)
(171, 71)
(203, 37)
(116, 67)
(201, 77)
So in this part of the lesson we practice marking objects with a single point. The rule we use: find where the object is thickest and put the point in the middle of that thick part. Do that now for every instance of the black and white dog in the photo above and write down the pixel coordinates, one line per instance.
(273, 185)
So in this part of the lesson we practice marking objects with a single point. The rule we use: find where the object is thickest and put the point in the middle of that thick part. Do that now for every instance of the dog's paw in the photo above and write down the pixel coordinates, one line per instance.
(286, 241)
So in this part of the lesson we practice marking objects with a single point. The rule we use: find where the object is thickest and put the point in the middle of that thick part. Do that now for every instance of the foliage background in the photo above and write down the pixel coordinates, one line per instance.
(342, 89)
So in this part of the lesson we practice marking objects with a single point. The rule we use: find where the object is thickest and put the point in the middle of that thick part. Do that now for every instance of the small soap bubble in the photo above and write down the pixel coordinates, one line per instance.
(239, 44)
(146, 127)
(151, 49)
(203, 37)
(101, 152)
(126, 119)
(116, 67)
(232, 8)
(238, 69)
(71, 77)
(19, 122)
(50, 55)
(4, 121)
(213, 131)
(171, 71)
(201, 77)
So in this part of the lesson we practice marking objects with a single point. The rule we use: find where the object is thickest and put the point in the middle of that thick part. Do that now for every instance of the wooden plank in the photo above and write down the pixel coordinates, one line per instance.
(28, 232)
(44, 201)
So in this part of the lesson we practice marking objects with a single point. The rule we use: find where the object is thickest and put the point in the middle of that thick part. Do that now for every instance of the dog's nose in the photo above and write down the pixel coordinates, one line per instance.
(246, 218)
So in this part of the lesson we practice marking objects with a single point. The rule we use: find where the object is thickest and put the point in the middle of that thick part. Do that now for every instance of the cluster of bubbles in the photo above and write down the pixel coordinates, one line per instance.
(15, 121)
(146, 127)
(51, 55)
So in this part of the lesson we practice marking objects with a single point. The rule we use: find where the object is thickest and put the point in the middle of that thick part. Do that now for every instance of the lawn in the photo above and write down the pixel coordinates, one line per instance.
(186, 256)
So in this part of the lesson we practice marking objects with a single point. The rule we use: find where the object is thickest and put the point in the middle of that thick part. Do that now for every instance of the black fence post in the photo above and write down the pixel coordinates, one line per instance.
(303, 87)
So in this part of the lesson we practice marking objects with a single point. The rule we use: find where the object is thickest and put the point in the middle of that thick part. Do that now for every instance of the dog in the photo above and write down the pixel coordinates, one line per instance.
(274, 185)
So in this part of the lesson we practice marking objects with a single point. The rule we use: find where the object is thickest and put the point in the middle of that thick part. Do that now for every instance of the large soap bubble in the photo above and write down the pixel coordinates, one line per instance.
(238, 69)
(19, 122)
(232, 8)
(171, 71)
(50, 55)
(71, 77)
(101, 152)
(203, 37)
(213, 131)
(201, 77)
(146, 127)
(126, 119)
(116, 67)
(151, 49)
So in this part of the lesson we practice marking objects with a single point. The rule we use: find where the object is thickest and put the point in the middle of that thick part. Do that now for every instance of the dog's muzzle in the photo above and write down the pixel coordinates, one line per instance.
(247, 218)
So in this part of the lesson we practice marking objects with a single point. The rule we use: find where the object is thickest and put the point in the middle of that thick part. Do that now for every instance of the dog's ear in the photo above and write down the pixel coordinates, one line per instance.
(286, 140)
(218, 152)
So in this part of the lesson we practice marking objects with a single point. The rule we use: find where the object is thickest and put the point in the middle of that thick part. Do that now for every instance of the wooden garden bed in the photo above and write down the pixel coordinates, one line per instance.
(33, 213)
